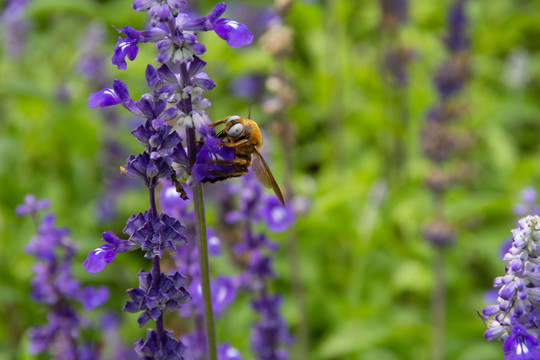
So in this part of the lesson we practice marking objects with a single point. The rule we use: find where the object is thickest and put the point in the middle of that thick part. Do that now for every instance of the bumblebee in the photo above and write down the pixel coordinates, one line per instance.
(246, 138)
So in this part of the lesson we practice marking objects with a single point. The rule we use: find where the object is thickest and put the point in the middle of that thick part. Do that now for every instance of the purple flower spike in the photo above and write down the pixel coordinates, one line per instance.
(31, 205)
(234, 33)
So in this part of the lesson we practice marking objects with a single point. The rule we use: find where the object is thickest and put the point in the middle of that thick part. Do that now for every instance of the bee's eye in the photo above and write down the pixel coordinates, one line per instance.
(234, 117)
(235, 130)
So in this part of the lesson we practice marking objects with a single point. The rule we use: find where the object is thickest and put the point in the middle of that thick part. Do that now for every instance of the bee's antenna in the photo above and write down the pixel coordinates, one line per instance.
(249, 113)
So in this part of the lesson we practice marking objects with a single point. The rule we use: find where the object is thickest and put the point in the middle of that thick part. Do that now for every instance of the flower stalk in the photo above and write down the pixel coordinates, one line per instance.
(204, 268)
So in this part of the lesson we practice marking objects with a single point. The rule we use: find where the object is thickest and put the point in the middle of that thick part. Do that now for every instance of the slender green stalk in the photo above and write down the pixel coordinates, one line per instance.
(204, 268)
(200, 227)
(438, 305)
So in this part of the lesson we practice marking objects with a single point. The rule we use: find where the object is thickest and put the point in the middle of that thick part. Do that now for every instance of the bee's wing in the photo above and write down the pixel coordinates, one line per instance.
(264, 175)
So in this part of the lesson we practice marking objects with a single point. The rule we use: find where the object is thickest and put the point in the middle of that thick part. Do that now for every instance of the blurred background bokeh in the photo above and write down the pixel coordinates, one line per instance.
(343, 91)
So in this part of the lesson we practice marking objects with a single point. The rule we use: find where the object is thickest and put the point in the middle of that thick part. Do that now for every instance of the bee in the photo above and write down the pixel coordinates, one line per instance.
(245, 137)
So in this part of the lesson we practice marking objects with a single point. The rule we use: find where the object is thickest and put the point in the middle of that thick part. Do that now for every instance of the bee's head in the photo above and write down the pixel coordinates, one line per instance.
(235, 126)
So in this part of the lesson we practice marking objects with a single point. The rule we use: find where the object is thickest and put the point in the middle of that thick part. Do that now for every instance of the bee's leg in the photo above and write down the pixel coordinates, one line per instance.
(217, 123)
(241, 162)
(228, 174)
(238, 143)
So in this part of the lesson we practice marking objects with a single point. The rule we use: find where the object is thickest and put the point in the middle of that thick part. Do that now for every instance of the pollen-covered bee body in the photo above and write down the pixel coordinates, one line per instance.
(246, 138)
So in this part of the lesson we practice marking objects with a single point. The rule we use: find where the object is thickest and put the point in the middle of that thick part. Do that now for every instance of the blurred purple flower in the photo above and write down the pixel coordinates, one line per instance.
(31, 205)
(15, 26)
(248, 86)
(528, 204)
(54, 286)
(277, 217)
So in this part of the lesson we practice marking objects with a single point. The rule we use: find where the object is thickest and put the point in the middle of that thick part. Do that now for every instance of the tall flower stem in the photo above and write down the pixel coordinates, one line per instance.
(204, 268)
(200, 228)
(438, 305)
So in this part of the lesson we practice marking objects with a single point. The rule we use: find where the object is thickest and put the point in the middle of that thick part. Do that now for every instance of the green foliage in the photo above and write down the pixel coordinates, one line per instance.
(366, 272)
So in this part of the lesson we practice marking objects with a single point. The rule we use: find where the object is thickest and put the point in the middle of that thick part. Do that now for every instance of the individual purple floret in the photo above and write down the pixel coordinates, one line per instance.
(514, 319)
(31, 205)
(521, 345)
(528, 204)
(276, 217)
(54, 286)
(234, 33)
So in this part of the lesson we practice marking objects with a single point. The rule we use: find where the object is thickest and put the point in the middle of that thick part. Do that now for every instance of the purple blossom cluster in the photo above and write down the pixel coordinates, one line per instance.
(514, 320)
(176, 92)
(15, 26)
(269, 334)
(223, 288)
(394, 13)
(528, 204)
(54, 286)
(439, 138)
(451, 76)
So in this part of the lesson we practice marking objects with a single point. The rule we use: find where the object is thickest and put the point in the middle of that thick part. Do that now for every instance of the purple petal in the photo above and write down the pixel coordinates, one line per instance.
(103, 98)
(142, 5)
(236, 34)
(91, 297)
(97, 259)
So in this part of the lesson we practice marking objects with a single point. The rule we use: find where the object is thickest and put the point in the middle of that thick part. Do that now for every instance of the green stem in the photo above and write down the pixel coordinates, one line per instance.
(204, 270)
(200, 227)
(438, 305)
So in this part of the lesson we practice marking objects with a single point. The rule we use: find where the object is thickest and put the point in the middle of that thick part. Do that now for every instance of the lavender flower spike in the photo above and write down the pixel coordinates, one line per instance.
(515, 319)
(176, 95)
(54, 287)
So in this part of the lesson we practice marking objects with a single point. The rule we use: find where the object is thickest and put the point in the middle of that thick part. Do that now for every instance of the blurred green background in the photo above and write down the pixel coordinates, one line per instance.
(366, 271)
